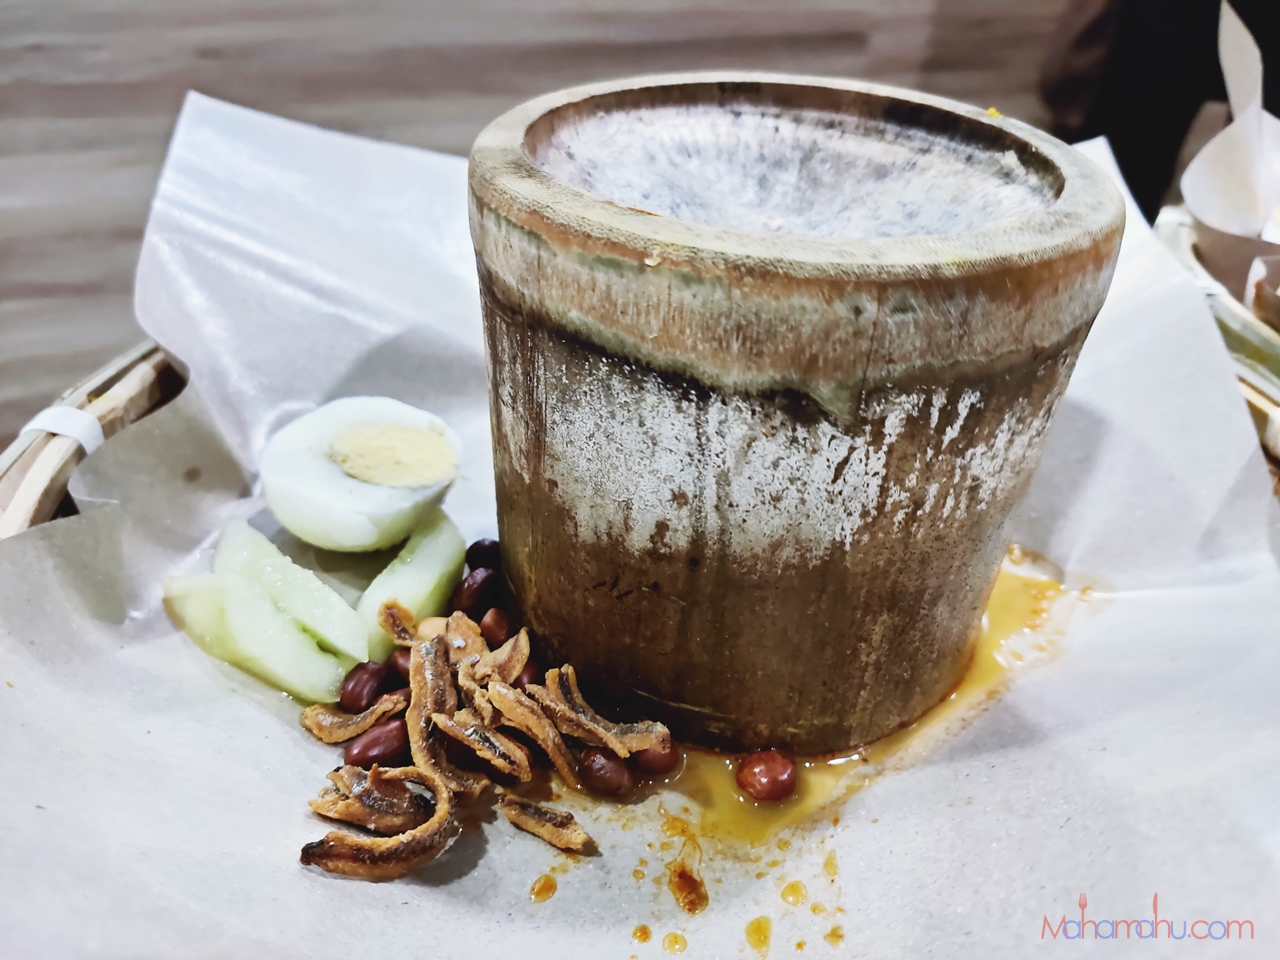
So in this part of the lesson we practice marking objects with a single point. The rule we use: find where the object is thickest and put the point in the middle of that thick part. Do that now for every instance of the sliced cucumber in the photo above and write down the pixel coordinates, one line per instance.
(245, 552)
(420, 578)
(196, 605)
(234, 619)
(273, 646)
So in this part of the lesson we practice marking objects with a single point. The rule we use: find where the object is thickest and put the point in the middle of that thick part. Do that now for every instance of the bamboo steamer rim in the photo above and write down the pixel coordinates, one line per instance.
(36, 468)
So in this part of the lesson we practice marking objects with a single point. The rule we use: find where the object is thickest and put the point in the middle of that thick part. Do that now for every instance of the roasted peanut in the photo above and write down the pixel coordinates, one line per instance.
(477, 591)
(657, 761)
(484, 553)
(530, 674)
(604, 771)
(494, 627)
(399, 663)
(386, 743)
(361, 686)
(768, 776)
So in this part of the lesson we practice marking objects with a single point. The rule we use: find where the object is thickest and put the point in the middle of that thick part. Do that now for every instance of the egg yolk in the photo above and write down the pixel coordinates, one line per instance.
(394, 454)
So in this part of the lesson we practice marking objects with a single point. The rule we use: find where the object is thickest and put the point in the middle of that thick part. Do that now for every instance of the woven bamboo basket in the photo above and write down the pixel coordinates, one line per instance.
(1253, 344)
(35, 468)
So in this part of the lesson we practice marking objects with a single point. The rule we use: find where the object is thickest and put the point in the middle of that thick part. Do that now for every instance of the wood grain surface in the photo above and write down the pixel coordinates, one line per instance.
(89, 90)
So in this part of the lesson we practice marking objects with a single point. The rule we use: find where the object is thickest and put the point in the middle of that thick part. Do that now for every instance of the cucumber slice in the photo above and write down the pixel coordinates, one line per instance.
(196, 607)
(420, 578)
(235, 620)
(243, 551)
(270, 644)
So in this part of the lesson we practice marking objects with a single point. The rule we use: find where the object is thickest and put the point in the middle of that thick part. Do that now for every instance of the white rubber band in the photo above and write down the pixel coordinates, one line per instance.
(73, 422)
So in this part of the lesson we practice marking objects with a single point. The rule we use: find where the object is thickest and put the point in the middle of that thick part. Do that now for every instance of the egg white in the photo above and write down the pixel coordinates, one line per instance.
(318, 502)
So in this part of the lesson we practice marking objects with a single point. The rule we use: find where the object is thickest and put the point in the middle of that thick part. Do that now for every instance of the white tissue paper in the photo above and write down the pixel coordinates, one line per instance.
(1233, 183)
(1232, 186)
(155, 801)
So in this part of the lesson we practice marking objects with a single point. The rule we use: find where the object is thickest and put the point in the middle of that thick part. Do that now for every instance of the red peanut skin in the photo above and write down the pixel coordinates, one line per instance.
(767, 776)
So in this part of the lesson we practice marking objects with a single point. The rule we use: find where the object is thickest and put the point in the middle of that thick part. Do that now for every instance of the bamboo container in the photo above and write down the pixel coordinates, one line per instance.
(771, 359)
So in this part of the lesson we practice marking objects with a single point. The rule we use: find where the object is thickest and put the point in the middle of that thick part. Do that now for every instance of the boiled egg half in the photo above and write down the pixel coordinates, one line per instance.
(358, 473)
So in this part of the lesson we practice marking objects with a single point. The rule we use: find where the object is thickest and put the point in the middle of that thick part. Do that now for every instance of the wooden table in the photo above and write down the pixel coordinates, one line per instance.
(89, 90)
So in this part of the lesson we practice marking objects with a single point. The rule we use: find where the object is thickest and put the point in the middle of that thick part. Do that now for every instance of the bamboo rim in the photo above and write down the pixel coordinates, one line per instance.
(36, 467)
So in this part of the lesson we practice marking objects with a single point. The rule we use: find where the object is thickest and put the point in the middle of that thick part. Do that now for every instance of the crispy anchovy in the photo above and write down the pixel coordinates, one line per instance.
(385, 858)
(557, 827)
(331, 725)
(564, 704)
(467, 728)
(523, 714)
(506, 662)
(431, 686)
(466, 785)
(398, 622)
(464, 638)
(474, 694)
(431, 689)
(371, 799)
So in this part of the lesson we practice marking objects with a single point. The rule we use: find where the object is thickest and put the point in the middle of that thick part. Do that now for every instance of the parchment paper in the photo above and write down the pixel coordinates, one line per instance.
(154, 800)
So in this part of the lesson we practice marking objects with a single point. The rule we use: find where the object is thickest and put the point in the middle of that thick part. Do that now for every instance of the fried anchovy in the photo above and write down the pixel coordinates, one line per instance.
(475, 695)
(557, 827)
(331, 725)
(506, 662)
(523, 714)
(431, 685)
(385, 858)
(467, 728)
(371, 799)
(464, 638)
(398, 622)
(572, 715)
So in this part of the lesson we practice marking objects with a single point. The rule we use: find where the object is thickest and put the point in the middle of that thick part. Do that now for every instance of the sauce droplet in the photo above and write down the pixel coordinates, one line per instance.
(543, 889)
(678, 827)
(638, 874)
(829, 866)
(674, 943)
(759, 932)
(817, 909)
(799, 944)
(834, 936)
(684, 880)
(642, 934)
(795, 893)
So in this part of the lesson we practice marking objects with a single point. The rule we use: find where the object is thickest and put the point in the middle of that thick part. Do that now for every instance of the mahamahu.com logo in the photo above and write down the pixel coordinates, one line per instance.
(1145, 928)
